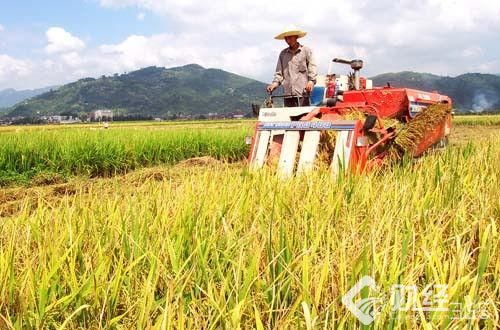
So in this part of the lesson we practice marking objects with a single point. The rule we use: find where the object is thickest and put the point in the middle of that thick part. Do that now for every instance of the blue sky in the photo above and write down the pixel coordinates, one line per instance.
(46, 43)
(86, 19)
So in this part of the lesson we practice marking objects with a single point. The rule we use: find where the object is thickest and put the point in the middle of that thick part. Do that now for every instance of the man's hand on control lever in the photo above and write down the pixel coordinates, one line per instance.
(270, 88)
(309, 86)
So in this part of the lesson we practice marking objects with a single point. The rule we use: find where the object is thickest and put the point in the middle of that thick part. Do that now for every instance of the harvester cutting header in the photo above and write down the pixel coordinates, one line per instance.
(346, 122)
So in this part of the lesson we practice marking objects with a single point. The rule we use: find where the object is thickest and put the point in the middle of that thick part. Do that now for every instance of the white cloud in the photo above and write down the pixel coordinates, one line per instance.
(72, 59)
(2, 28)
(61, 41)
(390, 36)
(472, 51)
(243, 61)
(136, 51)
(48, 64)
(178, 49)
(439, 36)
(11, 68)
(459, 14)
(467, 15)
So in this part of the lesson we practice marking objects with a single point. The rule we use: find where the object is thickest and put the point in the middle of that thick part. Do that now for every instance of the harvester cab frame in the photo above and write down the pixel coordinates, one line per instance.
(367, 125)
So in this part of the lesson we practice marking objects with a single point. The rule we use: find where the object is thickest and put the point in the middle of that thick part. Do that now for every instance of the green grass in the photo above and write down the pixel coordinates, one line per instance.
(54, 153)
(28, 153)
(476, 120)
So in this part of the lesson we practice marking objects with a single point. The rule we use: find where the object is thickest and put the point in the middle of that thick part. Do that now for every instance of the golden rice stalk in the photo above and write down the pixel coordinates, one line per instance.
(326, 147)
(354, 114)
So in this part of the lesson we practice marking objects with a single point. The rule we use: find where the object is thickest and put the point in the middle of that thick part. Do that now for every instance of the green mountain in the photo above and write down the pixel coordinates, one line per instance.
(192, 89)
(9, 97)
(152, 91)
(471, 91)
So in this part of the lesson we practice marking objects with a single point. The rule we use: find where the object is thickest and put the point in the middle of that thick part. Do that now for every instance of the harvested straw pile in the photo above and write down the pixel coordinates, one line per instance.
(199, 161)
(412, 133)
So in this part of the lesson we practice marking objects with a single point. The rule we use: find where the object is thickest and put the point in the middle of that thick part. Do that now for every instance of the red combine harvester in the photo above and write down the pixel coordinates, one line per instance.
(387, 121)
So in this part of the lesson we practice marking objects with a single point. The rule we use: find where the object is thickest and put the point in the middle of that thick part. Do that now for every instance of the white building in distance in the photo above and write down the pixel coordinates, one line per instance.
(103, 114)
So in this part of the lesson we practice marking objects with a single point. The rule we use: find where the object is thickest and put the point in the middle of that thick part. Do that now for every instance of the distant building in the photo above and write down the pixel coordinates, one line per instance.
(70, 120)
(55, 119)
(100, 115)
(58, 119)
(214, 115)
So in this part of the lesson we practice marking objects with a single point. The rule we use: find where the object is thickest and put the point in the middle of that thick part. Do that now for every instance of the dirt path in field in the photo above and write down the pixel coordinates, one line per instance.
(15, 200)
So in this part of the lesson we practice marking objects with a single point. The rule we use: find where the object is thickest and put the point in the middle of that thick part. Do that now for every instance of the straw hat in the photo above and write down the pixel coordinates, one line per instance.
(290, 31)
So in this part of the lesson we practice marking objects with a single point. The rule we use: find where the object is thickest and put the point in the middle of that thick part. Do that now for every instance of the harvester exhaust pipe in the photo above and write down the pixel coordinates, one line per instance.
(356, 65)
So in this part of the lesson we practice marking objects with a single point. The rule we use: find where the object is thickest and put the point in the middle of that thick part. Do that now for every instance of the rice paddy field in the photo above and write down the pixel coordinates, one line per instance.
(122, 228)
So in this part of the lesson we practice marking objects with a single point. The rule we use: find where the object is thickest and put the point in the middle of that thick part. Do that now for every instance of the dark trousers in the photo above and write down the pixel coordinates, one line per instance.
(296, 101)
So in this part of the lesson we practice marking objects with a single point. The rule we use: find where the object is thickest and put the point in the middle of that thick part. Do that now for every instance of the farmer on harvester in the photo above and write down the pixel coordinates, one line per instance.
(295, 70)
